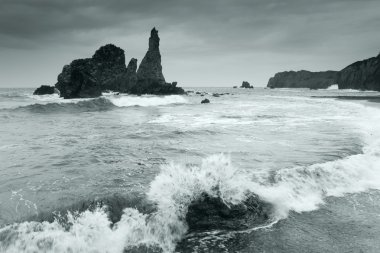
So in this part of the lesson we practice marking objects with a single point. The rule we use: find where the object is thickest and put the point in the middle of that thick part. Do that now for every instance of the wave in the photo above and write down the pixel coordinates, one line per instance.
(146, 100)
(176, 187)
(172, 192)
(89, 105)
(54, 104)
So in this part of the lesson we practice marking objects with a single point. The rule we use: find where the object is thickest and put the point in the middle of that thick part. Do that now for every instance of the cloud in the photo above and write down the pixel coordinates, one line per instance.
(314, 34)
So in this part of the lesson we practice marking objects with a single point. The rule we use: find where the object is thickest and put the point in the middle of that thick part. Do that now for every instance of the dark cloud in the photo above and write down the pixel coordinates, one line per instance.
(248, 39)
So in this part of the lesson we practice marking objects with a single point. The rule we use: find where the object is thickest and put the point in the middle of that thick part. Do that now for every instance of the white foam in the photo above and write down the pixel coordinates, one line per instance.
(333, 87)
(146, 100)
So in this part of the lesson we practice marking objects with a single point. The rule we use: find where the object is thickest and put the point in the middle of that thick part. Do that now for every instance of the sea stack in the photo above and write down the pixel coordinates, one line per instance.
(246, 85)
(87, 78)
(361, 75)
(150, 79)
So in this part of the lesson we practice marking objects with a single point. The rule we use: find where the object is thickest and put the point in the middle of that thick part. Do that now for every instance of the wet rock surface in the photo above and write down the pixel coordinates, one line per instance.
(207, 213)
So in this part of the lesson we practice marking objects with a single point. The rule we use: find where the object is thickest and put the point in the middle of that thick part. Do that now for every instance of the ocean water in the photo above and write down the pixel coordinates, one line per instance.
(118, 173)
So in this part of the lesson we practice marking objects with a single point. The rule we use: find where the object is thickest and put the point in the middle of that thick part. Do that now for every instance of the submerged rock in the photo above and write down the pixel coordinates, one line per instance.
(205, 101)
(303, 79)
(209, 212)
(361, 75)
(246, 85)
(45, 90)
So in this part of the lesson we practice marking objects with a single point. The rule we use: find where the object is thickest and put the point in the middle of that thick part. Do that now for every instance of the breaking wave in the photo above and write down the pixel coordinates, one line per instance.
(54, 104)
(147, 100)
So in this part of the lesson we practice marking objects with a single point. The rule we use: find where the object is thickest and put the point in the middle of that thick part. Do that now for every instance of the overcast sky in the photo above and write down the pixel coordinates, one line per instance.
(203, 42)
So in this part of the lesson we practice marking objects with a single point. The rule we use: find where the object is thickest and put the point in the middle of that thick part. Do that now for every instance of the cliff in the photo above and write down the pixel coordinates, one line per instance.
(303, 79)
(361, 75)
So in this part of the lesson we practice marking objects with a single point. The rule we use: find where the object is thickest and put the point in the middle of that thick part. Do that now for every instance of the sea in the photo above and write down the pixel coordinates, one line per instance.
(117, 173)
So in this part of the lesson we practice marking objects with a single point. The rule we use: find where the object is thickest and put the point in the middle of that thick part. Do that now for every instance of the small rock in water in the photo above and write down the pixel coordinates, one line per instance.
(205, 101)
(45, 90)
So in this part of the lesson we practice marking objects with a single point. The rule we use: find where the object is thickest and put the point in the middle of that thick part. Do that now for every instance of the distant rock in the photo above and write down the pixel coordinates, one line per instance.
(235, 87)
(45, 90)
(246, 85)
(361, 75)
(150, 79)
(205, 101)
(303, 79)
(209, 213)
(216, 95)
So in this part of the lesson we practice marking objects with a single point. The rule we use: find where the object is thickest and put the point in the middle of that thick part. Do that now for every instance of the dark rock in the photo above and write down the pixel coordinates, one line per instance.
(209, 212)
(246, 85)
(216, 95)
(86, 78)
(361, 75)
(198, 93)
(125, 81)
(235, 87)
(106, 70)
(205, 101)
(45, 90)
(303, 79)
(150, 79)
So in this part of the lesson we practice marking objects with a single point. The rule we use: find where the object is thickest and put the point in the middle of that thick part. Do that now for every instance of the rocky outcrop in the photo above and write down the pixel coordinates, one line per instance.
(45, 90)
(246, 85)
(208, 213)
(86, 78)
(361, 75)
(205, 101)
(106, 70)
(150, 79)
(303, 79)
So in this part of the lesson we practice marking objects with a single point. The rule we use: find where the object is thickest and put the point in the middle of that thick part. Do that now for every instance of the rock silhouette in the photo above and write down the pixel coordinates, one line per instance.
(106, 70)
(303, 79)
(361, 75)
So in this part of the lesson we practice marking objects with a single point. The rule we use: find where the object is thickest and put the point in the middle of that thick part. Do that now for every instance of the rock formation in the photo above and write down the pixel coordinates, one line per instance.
(150, 79)
(209, 213)
(124, 81)
(106, 70)
(361, 75)
(205, 101)
(246, 85)
(86, 78)
(303, 79)
(45, 90)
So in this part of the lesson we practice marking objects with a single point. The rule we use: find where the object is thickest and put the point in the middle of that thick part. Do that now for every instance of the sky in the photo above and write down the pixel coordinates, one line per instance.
(203, 42)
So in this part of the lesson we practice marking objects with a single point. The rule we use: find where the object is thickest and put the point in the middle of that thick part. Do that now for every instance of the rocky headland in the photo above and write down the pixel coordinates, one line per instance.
(106, 71)
(303, 79)
(361, 75)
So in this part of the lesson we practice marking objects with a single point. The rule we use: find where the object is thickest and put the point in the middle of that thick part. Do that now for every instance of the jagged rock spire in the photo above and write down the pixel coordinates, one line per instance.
(154, 40)
(150, 69)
